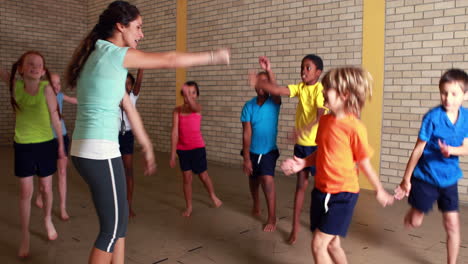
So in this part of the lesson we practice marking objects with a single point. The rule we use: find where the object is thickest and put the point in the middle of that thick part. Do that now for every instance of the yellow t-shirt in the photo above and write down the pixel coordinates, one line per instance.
(310, 100)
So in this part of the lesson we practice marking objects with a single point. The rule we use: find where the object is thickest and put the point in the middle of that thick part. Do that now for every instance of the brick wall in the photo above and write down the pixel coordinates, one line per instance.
(423, 39)
(285, 31)
(26, 25)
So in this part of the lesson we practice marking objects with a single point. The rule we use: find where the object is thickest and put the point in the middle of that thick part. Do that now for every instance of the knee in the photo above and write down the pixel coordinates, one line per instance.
(26, 194)
(451, 224)
(317, 246)
(334, 246)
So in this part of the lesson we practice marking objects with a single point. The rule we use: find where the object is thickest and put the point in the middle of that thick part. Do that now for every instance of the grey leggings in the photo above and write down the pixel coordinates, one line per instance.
(106, 181)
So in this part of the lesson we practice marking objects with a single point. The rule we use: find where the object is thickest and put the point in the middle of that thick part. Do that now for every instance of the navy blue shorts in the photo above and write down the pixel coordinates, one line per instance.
(126, 142)
(423, 195)
(304, 151)
(66, 144)
(332, 215)
(194, 160)
(36, 158)
(264, 164)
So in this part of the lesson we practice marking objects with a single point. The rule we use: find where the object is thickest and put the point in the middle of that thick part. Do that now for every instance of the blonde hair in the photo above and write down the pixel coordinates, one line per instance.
(352, 82)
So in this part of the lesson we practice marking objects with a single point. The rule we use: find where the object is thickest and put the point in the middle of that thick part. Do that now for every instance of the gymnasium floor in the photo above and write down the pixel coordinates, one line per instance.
(159, 234)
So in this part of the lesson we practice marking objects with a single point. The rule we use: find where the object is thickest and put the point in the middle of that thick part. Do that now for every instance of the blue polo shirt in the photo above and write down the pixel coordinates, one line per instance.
(433, 167)
(264, 122)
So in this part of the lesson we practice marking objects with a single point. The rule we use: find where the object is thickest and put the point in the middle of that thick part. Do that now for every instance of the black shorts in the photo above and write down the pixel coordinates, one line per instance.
(332, 213)
(127, 142)
(304, 151)
(36, 158)
(423, 195)
(66, 144)
(194, 160)
(264, 164)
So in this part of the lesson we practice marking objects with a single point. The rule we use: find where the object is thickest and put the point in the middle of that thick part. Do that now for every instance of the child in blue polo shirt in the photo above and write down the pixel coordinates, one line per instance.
(433, 171)
(260, 127)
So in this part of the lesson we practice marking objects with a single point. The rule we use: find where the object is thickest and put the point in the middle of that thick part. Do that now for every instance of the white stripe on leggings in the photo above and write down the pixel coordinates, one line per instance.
(111, 169)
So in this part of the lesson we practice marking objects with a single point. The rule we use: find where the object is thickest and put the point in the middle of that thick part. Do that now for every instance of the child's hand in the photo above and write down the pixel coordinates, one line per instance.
(185, 90)
(221, 56)
(248, 167)
(252, 78)
(402, 190)
(172, 162)
(264, 63)
(293, 165)
(384, 198)
(444, 148)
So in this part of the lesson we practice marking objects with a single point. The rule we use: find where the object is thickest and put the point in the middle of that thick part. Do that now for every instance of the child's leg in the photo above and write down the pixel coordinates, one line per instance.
(413, 218)
(46, 190)
(26, 191)
(128, 165)
(336, 251)
(268, 186)
(38, 201)
(209, 187)
(320, 244)
(301, 187)
(452, 228)
(62, 186)
(187, 192)
(254, 185)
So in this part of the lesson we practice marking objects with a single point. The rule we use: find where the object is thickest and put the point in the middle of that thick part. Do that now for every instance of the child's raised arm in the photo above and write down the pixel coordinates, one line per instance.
(192, 103)
(405, 186)
(137, 87)
(382, 196)
(269, 86)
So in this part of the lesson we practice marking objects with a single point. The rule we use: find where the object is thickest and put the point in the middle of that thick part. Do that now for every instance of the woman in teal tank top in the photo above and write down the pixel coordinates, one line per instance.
(35, 148)
(98, 69)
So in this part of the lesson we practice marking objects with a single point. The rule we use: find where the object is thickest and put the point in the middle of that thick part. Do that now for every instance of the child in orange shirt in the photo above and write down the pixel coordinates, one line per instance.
(342, 143)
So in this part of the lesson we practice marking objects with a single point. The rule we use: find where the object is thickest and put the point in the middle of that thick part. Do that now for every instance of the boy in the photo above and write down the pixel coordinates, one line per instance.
(309, 109)
(342, 149)
(432, 171)
(260, 127)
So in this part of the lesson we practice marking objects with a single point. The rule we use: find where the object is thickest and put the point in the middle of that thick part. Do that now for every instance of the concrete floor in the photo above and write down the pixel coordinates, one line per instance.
(159, 234)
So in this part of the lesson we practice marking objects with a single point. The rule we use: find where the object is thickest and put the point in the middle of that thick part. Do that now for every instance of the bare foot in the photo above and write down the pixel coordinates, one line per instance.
(216, 201)
(39, 202)
(51, 232)
(255, 211)
(270, 226)
(292, 238)
(23, 251)
(64, 215)
(187, 212)
(131, 213)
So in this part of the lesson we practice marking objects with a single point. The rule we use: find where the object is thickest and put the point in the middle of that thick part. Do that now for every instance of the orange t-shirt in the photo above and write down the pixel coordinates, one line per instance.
(341, 143)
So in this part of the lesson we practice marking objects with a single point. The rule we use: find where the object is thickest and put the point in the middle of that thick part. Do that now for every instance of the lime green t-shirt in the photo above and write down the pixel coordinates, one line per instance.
(32, 117)
(310, 100)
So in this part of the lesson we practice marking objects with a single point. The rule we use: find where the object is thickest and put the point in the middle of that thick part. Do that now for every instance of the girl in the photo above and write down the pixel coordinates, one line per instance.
(126, 138)
(341, 145)
(62, 164)
(99, 68)
(35, 106)
(187, 139)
